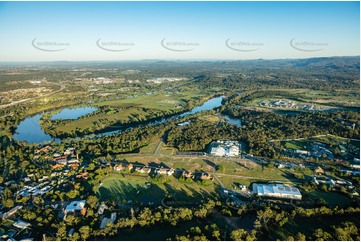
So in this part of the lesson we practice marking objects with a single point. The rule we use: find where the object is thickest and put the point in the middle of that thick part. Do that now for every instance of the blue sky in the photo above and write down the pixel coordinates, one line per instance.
(253, 29)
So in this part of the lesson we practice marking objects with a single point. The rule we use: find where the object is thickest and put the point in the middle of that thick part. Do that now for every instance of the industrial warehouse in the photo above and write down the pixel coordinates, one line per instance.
(276, 190)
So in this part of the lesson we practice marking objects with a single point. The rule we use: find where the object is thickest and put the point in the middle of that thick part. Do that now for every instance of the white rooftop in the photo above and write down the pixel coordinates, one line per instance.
(21, 224)
(75, 205)
(277, 190)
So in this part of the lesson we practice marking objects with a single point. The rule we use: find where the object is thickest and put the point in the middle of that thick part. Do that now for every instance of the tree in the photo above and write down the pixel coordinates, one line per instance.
(216, 234)
(242, 209)
(196, 230)
(226, 212)
(290, 238)
(91, 167)
(9, 203)
(321, 235)
(75, 236)
(346, 231)
(92, 201)
(84, 232)
(72, 194)
(61, 233)
(200, 213)
(238, 234)
(300, 237)
(264, 216)
(29, 215)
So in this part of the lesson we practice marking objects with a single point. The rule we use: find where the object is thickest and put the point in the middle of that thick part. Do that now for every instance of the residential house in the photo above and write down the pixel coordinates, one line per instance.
(21, 224)
(105, 221)
(60, 159)
(11, 212)
(138, 168)
(73, 161)
(102, 208)
(119, 167)
(162, 171)
(76, 206)
(206, 176)
(145, 170)
(186, 174)
(83, 175)
(43, 150)
(74, 166)
(170, 172)
(57, 166)
(69, 151)
(8, 183)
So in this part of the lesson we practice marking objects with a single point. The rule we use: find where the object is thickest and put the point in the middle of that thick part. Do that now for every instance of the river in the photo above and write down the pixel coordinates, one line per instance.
(30, 130)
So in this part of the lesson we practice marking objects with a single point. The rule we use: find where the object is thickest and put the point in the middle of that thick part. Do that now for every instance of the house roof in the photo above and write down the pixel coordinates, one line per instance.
(75, 205)
(21, 224)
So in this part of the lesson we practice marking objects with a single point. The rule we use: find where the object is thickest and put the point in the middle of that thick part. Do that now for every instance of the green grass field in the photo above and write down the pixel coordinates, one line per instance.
(331, 198)
(124, 187)
(297, 144)
(321, 98)
(242, 172)
(155, 101)
(135, 109)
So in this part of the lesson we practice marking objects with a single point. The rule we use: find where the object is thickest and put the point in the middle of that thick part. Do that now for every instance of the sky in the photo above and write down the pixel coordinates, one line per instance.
(110, 31)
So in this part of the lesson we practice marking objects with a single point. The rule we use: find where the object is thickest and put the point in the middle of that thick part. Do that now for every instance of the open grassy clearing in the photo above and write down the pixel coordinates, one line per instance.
(155, 101)
(297, 144)
(242, 168)
(210, 118)
(136, 109)
(166, 151)
(331, 198)
(163, 100)
(233, 182)
(94, 121)
(188, 163)
(150, 148)
(321, 98)
(125, 186)
(249, 169)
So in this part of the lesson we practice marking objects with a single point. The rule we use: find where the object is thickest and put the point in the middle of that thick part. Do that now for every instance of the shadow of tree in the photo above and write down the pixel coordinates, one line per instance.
(208, 162)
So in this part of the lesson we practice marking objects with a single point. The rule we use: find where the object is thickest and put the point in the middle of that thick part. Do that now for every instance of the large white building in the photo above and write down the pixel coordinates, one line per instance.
(276, 190)
(224, 148)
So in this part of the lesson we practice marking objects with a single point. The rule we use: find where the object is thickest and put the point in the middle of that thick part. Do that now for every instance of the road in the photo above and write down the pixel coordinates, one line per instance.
(161, 141)
(62, 87)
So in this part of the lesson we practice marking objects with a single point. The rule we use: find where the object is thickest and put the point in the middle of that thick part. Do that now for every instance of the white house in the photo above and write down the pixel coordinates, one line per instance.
(21, 224)
(75, 206)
